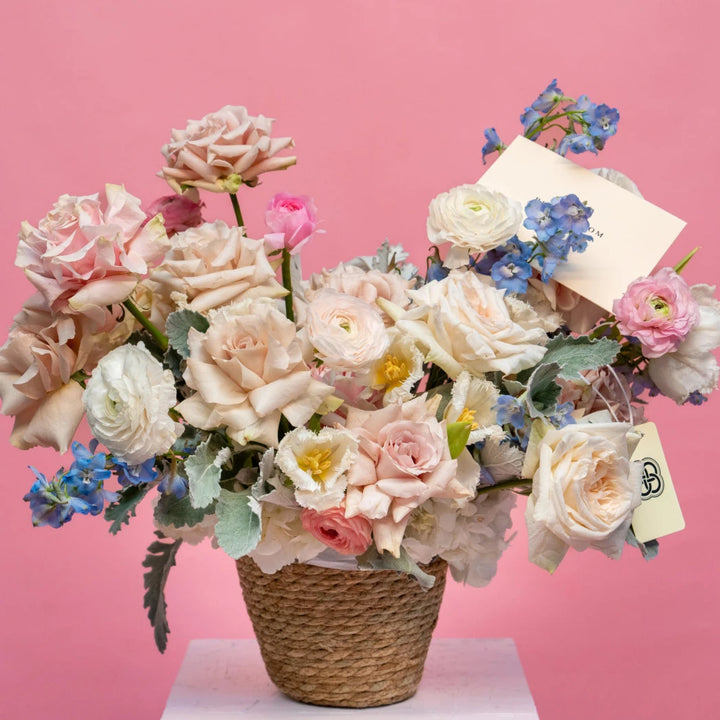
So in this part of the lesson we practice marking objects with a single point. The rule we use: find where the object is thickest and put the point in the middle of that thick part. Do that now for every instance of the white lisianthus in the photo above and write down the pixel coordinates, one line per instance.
(127, 400)
(317, 463)
(692, 367)
(397, 371)
(464, 323)
(472, 218)
(472, 400)
(584, 490)
(347, 332)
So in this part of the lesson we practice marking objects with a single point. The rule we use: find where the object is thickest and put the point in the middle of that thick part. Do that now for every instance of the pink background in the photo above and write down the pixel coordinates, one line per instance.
(387, 102)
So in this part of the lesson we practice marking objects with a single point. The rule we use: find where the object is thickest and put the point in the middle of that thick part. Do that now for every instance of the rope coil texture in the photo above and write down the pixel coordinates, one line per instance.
(342, 638)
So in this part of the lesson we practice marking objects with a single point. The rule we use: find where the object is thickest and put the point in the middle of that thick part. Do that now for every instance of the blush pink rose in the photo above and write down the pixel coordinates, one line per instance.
(90, 252)
(348, 536)
(179, 212)
(659, 311)
(291, 219)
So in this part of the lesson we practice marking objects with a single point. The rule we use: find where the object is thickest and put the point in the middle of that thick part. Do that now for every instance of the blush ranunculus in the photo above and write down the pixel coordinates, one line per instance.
(346, 535)
(225, 149)
(291, 219)
(90, 252)
(180, 212)
(659, 311)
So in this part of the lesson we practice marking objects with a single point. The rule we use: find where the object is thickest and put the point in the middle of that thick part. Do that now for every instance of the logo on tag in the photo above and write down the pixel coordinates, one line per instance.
(653, 483)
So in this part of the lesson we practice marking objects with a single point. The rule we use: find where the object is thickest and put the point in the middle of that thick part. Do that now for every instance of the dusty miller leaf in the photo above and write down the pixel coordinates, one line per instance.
(119, 512)
(178, 512)
(576, 354)
(159, 560)
(203, 470)
(238, 528)
(373, 560)
(178, 326)
(542, 390)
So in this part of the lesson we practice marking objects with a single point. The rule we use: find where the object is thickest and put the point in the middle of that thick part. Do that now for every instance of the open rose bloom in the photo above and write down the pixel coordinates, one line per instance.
(370, 414)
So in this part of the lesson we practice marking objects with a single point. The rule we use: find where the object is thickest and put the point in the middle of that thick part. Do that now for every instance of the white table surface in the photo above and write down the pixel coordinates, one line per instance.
(463, 679)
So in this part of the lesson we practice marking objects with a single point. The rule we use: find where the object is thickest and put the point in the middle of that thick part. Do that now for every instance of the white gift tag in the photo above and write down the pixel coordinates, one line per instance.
(630, 235)
(659, 513)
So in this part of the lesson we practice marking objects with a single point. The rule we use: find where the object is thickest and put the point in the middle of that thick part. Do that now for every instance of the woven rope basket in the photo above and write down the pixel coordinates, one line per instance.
(342, 638)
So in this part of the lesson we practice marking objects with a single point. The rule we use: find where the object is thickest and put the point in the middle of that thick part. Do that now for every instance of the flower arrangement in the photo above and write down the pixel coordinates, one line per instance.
(373, 411)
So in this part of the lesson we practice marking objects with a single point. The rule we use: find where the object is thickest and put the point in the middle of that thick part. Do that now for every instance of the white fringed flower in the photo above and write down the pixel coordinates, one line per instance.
(127, 400)
(472, 400)
(316, 464)
(397, 371)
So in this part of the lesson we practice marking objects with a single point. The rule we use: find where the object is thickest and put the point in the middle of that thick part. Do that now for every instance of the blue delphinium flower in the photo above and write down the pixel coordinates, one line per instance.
(511, 273)
(603, 122)
(134, 474)
(548, 97)
(562, 415)
(696, 398)
(493, 144)
(84, 480)
(539, 219)
(576, 143)
(582, 104)
(571, 214)
(510, 411)
(173, 484)
(49, 502)
(529, 119)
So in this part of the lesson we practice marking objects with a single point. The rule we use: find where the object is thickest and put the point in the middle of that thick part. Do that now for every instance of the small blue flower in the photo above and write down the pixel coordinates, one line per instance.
(493, 144)
(696, 398)
(134, 474)
(562, 415)
(539, 219)
(603, 121)
(548, 97)
(530, 118)
(510, 411)
(49, 502)
(84, 480)
(571, 214)
(576, 143)
(582, 104)
(578, 243)
(175, 484)
(547, 267)
(511, 273)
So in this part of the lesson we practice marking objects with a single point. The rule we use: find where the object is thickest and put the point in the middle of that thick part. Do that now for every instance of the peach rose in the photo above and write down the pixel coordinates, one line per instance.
(222, 151)
(346, 535)
(89, 252)
(214, 265)
(247, 371)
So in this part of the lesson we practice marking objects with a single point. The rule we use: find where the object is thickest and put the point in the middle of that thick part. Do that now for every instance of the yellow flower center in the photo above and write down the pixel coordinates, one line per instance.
(394, 371)
(475, 205)
(315, 463)
(468, 416)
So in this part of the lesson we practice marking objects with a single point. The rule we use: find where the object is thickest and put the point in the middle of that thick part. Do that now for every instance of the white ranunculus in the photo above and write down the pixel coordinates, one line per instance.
(692, 367)
(584, 491)
(464, 323)
(472, 218)
(347, 332)
(316, 463)
(127, 400)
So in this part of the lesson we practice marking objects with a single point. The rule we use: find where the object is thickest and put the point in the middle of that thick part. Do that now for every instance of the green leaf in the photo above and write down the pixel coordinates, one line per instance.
(458, 434)
(238, 528)
(581, 353)
(542, 390)
(178, 512)
(159, 560)
(203, 470)
(683, 263)
(373, 560)
(178, 326)
(119, 512)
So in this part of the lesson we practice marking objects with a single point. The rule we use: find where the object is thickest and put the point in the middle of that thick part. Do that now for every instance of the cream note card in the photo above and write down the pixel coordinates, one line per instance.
(659, 513)
(630, 234)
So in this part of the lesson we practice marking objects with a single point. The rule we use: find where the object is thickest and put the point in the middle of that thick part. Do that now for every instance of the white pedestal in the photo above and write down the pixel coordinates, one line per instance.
(463, 679)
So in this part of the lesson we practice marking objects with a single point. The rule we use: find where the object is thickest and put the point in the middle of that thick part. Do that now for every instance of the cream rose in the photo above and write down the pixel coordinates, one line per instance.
(472, 218)
(346, 332)
(223, 150)
(464, 323)
(247, 371)
(127, 400)
(213, 265)
(584, 490)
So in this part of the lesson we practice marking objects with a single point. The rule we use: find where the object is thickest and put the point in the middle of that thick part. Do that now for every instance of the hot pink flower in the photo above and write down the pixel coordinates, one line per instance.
(179, 212)
(291, 219)
(659, 311)
(348, 536)
(90, 252)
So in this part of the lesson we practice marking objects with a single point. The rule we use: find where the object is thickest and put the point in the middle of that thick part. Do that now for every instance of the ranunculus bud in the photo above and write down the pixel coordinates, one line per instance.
(291, 220)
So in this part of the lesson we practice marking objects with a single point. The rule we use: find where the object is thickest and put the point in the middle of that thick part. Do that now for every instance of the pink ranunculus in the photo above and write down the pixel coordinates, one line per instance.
(291, 219)
(348, 536)
(90, 252)
(179, 212)
(659, 311)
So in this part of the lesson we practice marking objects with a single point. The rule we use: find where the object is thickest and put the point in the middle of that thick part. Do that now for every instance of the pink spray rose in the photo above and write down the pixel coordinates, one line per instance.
(179, 212)
(291, 219)
(90, 252)
(659, 311)
(348, 536)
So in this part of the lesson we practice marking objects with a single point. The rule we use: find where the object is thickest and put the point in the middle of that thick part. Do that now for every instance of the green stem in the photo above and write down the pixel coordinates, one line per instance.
(505, 485)
(287, 284)
(159, 338)
(236, 208)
